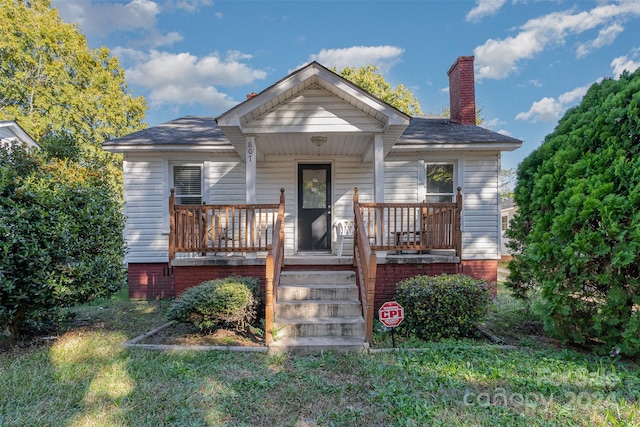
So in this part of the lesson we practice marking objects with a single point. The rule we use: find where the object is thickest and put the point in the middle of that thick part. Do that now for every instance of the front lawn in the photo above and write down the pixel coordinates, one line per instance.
(86, 378)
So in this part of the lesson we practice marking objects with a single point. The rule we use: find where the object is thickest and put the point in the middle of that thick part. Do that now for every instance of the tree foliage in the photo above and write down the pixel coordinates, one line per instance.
(576, 235)
(54, 85)
(61, 226)
(370, 79)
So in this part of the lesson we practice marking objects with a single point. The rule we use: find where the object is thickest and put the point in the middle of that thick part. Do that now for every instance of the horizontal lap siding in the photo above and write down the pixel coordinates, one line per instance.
(227, 181)
(347, 175)
(143, 191)
(271, 176)
(481, 207)
(401, 180)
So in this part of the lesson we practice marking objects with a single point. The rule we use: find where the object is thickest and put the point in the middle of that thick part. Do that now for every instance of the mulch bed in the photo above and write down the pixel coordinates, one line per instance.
(183, 334)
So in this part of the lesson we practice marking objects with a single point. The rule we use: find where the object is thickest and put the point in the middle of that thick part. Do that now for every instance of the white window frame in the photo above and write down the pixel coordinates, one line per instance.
(454, 183)
(172, 167)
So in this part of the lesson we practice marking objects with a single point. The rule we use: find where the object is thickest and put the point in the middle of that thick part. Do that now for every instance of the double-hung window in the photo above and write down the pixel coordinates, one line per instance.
(440, 182)
(187, 182)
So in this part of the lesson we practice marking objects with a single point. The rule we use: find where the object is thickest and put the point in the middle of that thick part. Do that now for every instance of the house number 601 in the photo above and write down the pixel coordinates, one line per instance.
(250, 150)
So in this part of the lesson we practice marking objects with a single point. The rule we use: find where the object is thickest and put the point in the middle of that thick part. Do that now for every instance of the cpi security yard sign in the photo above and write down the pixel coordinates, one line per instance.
(391, 314)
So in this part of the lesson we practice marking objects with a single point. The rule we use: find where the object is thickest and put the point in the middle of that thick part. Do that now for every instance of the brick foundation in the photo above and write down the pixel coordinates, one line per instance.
(486, 269)
(387, 275)
(150, 281)
(187, 277)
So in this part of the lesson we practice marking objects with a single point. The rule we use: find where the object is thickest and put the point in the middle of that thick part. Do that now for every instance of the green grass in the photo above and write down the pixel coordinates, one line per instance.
(86, 378)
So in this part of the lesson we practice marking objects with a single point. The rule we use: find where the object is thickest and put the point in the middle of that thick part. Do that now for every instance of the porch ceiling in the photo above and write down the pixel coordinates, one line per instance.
(299, 144)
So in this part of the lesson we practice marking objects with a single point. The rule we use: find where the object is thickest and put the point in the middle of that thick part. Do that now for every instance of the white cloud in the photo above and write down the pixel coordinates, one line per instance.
(622, 63)
(183, 78)
(357, 56)
(496, 59)
(484, 8)
(505, 132)
(492, 123)
(104, 18)
(549, 109)
(606, 36)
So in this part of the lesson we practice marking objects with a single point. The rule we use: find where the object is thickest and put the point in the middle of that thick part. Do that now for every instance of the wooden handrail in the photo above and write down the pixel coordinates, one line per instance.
(366, 263)
(220, 228)
(414, 226)
(274, 263)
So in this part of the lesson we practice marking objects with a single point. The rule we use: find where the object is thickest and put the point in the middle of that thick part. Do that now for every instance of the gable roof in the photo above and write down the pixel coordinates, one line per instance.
(306, 101)
(10, 130)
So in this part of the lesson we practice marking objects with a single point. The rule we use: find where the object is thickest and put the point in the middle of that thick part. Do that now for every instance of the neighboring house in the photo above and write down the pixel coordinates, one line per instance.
(508, 210)
(317, 136)
(10, 131)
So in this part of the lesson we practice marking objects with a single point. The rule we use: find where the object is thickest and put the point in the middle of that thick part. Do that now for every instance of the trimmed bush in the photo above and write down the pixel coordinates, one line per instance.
(442, 306)
(230, 301)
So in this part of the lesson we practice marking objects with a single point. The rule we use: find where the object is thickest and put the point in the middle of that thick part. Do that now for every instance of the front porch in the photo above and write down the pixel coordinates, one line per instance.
(248, 239)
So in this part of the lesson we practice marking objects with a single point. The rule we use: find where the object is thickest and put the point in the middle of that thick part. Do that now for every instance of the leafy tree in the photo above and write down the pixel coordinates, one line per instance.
(446, 112)
(55, 86)
(370, 79)
(576, 235)
(507, 179)
(61, 226)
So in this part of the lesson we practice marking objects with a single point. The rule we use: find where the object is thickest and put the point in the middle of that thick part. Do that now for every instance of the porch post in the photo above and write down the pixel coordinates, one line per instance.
(250, 179)
(250, 163)
(378, 185)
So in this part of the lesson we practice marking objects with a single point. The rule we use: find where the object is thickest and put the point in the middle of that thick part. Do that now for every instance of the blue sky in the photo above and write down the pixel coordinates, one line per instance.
(534, 59)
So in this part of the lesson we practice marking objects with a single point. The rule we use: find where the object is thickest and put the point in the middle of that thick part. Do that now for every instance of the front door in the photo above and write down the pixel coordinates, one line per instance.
(314, 207)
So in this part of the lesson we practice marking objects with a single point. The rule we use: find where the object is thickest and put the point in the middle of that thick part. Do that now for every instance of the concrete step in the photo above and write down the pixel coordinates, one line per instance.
(320, 327)
(314, 345)
(318, 308)
(317, 277)
(317, 292)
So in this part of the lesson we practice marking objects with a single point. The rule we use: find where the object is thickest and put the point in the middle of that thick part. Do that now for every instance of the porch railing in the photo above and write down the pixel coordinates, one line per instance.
(207, 229)
(366, 264)
(274, 263)
(413, 226)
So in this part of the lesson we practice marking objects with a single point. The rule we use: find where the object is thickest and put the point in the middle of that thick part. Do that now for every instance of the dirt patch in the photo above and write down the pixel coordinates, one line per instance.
(183, 334)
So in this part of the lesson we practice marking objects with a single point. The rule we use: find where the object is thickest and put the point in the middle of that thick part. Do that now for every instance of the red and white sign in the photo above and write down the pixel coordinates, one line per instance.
(391, 314)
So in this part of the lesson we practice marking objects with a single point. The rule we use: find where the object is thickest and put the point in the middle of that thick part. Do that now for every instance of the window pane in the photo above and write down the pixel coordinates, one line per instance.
(187, 181)
(314, 191)
(440, 178)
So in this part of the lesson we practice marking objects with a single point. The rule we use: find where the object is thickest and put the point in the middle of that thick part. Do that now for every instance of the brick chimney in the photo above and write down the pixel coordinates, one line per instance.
(251, 95)
(462, 93)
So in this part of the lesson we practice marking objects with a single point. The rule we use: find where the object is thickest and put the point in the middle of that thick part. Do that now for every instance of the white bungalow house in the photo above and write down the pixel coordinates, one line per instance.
(370, 196)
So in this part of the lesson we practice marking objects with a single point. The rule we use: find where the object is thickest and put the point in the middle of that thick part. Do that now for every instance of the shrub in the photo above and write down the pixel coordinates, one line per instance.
(229, 301)
(442, 306)
(61, 236)
(577, 231)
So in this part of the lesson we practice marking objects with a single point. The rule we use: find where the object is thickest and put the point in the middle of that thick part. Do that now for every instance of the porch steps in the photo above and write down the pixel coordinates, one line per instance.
(318, 311)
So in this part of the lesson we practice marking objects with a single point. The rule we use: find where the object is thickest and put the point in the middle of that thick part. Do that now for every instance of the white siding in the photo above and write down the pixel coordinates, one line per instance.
(481, 206)
(143, 196)
(401, 178)
(227, 180)
(271, 177)
(348, 172)
(147, 192)
(313, 110)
